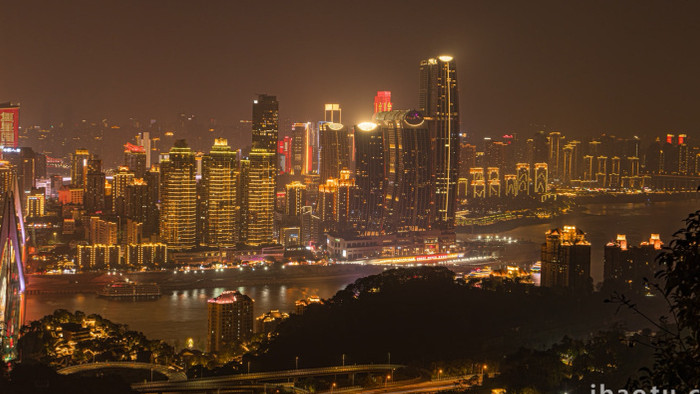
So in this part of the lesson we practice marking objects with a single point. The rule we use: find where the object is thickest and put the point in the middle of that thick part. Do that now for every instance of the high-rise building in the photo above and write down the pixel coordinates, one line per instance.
(7, 176)
(566, 259)
(220, 186)
(101, 231)
(300, 148)
(625, 266)
(9, 125)
(335, 150)
(382, 101)
(262, 176)
(79, 167)
(370, 177)
(122, 179)
(94, 198)
(407, 191)
(24, 160)
(135, 159)
(439, 103)
(36, 201)
(335, 202)
(284, 153)
(295, 197)
(179, 198)
(230, 320)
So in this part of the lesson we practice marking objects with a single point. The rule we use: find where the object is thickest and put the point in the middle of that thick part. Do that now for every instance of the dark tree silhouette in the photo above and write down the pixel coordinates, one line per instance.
(677, 357)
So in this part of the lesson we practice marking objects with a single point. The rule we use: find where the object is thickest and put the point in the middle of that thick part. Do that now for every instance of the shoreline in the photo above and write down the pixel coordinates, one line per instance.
(641, 198)
(91, 282)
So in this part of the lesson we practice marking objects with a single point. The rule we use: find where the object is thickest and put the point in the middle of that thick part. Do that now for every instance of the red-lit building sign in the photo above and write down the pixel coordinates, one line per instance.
(9, 125)
(284, 149)
(382, 101)
(129, 147)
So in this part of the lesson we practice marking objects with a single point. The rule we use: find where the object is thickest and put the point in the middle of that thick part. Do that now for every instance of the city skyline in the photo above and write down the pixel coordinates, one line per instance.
(580, 69)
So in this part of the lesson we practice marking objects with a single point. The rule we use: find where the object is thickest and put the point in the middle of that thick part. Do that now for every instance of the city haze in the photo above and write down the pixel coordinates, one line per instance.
(583, 68)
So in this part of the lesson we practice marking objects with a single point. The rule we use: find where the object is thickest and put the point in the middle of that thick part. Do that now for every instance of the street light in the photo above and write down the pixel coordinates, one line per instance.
(439, 373)
(296, 362)
(387, 380)
(332, 387)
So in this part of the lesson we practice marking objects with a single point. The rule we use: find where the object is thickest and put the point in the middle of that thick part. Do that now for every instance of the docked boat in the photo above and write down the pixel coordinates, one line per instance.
(130, 290)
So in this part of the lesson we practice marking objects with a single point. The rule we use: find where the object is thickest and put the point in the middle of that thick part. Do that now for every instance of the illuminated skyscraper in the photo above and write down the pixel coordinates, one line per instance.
(220, 186)
(262, 177)
(7, 176)
(78, 169)
(179, 198)
(335, 150)
(439, 102)
(230, 320)
(295, 198)
(94, 198)
(9, 125)
(369, 177)
(566, 259)
(407, 197)
(135, 159)
(300, 142)
(123, 178)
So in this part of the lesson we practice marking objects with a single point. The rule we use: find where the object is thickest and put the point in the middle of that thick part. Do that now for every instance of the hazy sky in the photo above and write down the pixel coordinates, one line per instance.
(578, 66)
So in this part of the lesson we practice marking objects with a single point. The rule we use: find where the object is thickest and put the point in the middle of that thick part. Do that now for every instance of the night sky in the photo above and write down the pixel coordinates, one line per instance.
(584, 67)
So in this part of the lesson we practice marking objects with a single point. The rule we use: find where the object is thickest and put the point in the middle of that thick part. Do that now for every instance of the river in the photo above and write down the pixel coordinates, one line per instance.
(179, 315)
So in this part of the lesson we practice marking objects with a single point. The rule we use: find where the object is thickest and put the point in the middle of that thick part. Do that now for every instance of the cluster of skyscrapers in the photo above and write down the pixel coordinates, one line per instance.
(513, 166)
(395, 173)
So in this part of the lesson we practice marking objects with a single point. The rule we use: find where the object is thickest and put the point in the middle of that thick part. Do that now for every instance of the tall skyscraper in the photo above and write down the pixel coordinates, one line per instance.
(335, 150)
(122, 179)
(135, 159)
(179, 198)
(407, 193)
(300, 148)
(439, 103)
(262, 177)
(78, 169)
(220, 186)
(230, 320)
(295, 198)
(9, 125)
(94, 199)
(566, 259)
(369, 177)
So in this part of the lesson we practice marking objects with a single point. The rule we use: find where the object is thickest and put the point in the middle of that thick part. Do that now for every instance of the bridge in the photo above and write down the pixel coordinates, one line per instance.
(235, 381)
(171, 374)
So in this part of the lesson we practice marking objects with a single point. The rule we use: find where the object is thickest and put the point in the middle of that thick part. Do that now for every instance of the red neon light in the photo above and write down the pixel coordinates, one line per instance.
(129, 147)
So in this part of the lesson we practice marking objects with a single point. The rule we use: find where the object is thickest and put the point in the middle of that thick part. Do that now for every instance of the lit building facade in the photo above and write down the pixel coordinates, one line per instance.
(335, 150)
(407, 187)
(262, 176)
(230, 320)
(566, 259)
(9, 125)
(439, 102)
(220, 186)
(179, 198)
(79, 167)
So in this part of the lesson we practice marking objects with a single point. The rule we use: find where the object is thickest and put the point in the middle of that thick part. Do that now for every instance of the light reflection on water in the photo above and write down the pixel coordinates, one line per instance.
(178, 315)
